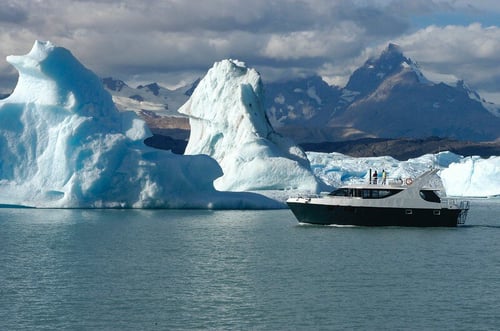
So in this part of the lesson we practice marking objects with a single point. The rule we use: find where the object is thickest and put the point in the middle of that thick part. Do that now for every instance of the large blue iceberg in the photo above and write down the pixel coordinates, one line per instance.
(65, 145)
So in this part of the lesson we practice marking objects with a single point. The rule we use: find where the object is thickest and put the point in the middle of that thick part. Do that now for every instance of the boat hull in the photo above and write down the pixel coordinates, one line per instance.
(371, 216)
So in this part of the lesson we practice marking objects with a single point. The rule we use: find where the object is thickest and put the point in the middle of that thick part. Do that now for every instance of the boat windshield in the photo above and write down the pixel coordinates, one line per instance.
(364, 193)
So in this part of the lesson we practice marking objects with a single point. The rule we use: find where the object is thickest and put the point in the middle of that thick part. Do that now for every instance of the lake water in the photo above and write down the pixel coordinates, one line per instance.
(259, 270)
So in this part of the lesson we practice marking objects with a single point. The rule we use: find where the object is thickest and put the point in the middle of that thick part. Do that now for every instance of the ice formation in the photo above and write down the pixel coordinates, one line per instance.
(473, 177)
(460, 176)
(64, 144)
(229, 123)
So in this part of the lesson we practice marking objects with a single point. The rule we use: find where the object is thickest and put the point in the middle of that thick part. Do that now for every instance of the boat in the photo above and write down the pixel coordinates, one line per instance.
(412, 202)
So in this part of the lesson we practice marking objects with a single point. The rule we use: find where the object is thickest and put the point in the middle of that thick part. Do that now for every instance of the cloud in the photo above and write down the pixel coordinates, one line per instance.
(172, 40)
(468, 52)
(12, 13)
(335, 42)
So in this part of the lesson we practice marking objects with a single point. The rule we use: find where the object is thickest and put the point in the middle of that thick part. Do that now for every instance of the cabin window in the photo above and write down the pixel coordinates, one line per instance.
(377, 193)
(341, 192)
(430, 196)
(408, 211)
(436, 212)
(384, 193)
(371, 193)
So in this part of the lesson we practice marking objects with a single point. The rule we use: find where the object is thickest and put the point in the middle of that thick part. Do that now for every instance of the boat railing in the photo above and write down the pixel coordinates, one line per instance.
(392, 181)
(462, 216)
(308, 196)
(457, 203)
(464, 206)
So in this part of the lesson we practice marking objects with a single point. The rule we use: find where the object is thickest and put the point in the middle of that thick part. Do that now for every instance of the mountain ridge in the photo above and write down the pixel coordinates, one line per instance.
(387, 97)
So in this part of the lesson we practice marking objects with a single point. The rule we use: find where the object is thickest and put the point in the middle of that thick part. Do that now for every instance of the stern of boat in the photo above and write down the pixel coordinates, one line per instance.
(464, 210)
(461, 205)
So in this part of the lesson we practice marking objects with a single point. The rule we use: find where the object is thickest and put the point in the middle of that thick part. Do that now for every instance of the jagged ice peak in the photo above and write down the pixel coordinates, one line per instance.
(65, 81)
(229, 122)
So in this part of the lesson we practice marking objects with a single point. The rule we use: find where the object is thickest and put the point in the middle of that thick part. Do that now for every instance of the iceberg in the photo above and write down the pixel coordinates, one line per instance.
(473, 177)
(229, 123)
(64, 144)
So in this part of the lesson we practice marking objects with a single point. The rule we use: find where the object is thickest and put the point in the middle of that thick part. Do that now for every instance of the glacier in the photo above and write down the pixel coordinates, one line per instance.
(65, 145)
(229, 123)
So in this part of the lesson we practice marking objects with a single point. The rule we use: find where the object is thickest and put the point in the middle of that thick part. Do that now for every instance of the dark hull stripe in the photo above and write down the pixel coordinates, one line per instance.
(369, 216)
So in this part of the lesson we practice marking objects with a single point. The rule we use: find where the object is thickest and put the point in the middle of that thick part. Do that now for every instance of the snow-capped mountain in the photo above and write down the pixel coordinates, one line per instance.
(306, 100)
(395, 100)
(366, 79)
(151, 97)
(387, 97)
(301, 108)
(154, 104)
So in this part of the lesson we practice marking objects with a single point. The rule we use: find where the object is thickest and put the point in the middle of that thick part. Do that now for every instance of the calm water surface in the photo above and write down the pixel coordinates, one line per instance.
(259, 270)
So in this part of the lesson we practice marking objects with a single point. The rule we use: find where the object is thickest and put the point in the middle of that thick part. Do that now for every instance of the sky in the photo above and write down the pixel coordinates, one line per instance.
(173, 42)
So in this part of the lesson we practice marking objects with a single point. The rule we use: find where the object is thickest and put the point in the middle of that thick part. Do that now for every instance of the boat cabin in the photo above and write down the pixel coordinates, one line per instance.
(380, 193)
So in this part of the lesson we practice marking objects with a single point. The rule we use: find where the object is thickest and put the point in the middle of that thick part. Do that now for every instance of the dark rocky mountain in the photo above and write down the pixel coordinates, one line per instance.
(388, 97)
(191, 89)
(401, 103)
(368, 78)
(301, 102)
(114, 85)
(152, 88)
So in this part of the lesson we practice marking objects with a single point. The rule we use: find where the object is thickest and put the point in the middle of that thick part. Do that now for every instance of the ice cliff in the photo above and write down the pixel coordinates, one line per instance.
(473, 177)
(229, 123)
(64, 144)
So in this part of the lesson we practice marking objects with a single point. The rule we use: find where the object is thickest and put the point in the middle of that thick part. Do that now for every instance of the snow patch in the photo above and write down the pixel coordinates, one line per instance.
(280, 99)
(416, 69)
(311, 92)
